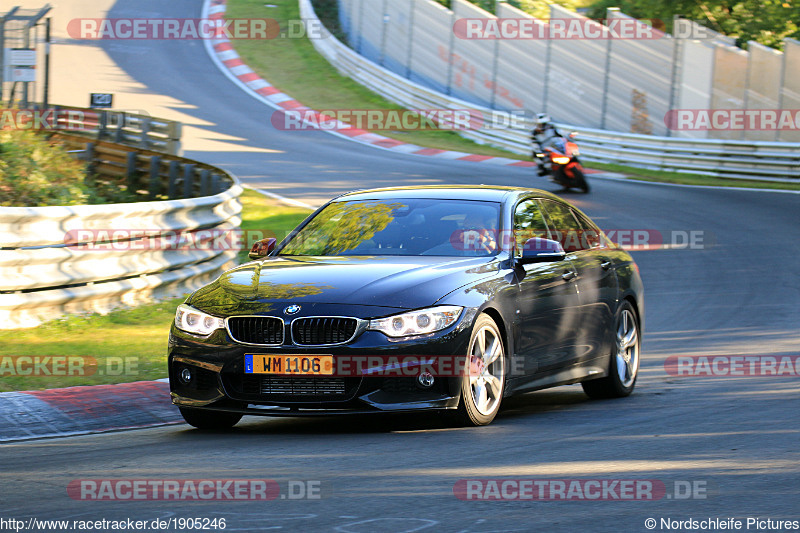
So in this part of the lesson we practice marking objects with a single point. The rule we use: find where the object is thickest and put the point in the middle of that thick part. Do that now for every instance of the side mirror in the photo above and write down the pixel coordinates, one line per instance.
(539, 250)
(262, 248)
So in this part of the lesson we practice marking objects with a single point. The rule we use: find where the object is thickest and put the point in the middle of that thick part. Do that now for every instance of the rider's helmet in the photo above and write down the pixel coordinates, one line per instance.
(542, 120)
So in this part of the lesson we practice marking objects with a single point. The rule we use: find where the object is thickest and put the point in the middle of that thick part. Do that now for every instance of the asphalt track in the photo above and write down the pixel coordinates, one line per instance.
(737, 294)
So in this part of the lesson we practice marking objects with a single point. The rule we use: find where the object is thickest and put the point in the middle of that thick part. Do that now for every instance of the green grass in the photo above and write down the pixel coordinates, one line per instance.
(126, 344)
(662, 176)
(133, 337)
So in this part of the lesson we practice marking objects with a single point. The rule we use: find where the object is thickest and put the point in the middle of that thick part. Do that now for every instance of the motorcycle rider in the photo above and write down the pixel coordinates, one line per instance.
(542, 136)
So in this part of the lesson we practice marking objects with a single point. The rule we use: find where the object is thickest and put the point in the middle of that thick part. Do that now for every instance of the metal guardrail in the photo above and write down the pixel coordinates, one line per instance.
(730, 159)
(146, 172)
(58, 260)
(124, 127)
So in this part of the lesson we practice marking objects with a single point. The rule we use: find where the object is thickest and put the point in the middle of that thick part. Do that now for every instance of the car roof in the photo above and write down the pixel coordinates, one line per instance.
(490, 193)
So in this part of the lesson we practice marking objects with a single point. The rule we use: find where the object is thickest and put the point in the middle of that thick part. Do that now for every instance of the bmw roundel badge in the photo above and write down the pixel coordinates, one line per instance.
(292, 310)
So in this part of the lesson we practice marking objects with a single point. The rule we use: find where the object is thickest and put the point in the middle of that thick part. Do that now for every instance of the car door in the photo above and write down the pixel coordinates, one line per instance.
(547, 300)
(596, 281)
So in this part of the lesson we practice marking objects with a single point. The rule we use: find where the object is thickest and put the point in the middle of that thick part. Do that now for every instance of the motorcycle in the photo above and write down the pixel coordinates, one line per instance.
(561, 161)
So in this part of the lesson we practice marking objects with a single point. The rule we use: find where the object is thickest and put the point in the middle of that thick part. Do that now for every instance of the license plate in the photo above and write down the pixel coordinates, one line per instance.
(297, 365)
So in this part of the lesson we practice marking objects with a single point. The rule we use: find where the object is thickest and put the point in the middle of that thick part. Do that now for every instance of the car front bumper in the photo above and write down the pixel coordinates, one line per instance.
(220, 383)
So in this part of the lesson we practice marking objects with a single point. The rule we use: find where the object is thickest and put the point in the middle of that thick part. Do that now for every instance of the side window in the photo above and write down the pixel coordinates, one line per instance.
(591, 236)
(528, 223)
(564, 228)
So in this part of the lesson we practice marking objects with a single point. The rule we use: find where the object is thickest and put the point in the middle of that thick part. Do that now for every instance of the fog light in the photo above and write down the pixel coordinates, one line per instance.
(185, 376)
(425, 379)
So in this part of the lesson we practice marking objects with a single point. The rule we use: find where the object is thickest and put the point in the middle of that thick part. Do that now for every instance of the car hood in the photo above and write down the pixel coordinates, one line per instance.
(374, 281)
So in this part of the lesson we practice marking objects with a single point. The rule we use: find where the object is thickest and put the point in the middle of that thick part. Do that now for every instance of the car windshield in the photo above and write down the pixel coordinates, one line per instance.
(406, 226)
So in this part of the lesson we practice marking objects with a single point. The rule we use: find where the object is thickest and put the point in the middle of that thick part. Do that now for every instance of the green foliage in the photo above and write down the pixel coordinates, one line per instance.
(537, 8)
(765, 21)
(33, 172)
(328, 13)
(103, 190)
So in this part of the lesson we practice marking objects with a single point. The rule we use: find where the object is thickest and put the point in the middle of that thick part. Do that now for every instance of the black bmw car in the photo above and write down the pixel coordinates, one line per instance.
(425, 298)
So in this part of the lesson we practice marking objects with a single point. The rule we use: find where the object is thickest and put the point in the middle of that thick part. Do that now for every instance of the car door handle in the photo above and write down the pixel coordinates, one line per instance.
(606, 265)
(568, 275)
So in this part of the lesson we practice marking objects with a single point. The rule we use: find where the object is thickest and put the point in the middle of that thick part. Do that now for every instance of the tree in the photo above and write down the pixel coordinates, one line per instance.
(765, 21)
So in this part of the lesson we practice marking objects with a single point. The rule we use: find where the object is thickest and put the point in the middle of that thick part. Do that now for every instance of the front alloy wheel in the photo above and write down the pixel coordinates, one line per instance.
(482, 386)
(624, 364)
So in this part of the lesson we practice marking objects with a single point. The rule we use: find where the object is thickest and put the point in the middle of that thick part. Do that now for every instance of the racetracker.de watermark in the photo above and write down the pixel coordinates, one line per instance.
(193, 490)
(104, 240)
(396, 119)
(378, 365)
(733, 119)
(477, 239)
(473, 239)
(556, 29)
(67, 365)
(733, 365)
(193, 28)
(580, 489)
(60, 119)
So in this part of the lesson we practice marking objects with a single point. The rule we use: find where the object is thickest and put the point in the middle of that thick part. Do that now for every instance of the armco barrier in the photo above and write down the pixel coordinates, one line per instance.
(731, 159)
(132, 129)
(47, 270)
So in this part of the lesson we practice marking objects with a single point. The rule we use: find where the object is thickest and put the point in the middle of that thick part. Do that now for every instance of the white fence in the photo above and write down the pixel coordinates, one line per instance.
(91, 258)
(727, 158)
(621, 84)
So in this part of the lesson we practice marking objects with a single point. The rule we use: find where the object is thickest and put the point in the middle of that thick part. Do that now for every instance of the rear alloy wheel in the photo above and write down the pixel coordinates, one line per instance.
(206, 419)
(482, 387)
(624, 365)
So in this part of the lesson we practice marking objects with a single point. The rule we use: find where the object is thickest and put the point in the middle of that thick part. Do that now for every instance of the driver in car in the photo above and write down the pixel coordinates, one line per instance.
(479, 232)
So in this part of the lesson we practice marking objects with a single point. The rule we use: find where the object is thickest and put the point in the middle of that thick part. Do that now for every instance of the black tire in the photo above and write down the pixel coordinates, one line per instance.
(207, 419)
(481, 411)
(580, 180)
(560, 178)
(620, 381)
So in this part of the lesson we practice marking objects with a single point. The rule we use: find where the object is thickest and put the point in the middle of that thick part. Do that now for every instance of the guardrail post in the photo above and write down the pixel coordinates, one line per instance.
(90, 167)
(131, 173)
(155, 176)
(172, 186)
(546, 88)
(607, 71)
(384, 26)
(360, 25)
(215, 184)
(449, 90)
(495, 61)
(205, 182)
(675, 72)
(410, 54)
(102, 125)
(119, 133)
(782, 87)
(188, 180)
(174, 132)
(144, 142)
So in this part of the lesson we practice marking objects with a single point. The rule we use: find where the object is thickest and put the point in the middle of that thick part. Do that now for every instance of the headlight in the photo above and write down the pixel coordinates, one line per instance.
(561, 160)
(191, 320)
(417, 322)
